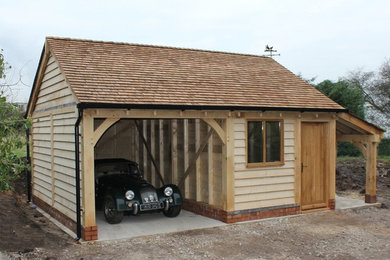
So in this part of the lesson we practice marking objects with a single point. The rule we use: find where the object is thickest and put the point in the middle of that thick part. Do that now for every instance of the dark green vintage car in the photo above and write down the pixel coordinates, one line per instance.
(121, 189)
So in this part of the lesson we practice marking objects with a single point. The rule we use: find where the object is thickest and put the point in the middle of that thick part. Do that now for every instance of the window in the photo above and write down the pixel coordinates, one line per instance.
(264, 142)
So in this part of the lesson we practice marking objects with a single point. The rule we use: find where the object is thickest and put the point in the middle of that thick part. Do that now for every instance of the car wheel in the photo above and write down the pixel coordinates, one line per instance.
(112, 215)
(173, 211)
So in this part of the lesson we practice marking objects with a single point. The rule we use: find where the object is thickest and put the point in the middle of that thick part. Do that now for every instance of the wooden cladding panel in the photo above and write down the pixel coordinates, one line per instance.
(54, 89)
(268, 185)
(53, 160)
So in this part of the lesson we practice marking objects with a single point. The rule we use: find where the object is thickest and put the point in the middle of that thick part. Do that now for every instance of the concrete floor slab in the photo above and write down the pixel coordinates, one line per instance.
(348, 203)
(149, 224)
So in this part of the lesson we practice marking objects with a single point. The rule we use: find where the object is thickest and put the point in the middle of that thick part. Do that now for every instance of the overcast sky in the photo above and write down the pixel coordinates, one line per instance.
(323, 39)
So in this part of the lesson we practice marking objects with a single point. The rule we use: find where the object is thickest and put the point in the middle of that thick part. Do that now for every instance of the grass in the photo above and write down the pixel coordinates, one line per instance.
(21, 152)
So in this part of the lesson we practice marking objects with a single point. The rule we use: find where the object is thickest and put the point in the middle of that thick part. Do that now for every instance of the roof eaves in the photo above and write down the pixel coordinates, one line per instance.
(85, 105)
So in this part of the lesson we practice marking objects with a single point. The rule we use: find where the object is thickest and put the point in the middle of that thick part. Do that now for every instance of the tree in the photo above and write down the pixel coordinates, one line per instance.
(345, 94)
(12, 126)
(375, 87)
(350, 97)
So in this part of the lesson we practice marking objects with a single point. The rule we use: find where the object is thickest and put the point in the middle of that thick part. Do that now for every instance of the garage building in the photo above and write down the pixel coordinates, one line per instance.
(243, 137)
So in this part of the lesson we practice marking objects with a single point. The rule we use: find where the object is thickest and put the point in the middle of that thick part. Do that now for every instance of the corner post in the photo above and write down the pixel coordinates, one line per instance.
(228, 167)
(371, 172)
(88, 177)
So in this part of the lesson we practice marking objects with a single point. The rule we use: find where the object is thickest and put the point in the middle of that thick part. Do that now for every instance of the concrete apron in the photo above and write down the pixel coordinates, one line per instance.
(151, 224)
(347, 203)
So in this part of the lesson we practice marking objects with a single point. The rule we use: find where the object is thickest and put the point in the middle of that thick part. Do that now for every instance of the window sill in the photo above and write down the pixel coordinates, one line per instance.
(259, 165)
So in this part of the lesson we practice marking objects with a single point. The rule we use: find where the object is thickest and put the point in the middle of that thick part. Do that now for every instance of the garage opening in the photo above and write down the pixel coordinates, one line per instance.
(184, 152)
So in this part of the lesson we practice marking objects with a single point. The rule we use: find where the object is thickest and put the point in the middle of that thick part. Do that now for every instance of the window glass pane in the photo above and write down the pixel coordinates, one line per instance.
(255, 141)
(273, 141)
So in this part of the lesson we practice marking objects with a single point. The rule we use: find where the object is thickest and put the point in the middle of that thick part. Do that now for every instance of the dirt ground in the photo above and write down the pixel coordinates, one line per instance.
(348, 234)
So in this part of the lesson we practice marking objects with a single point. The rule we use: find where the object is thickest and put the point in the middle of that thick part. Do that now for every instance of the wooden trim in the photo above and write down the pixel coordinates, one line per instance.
(217, 128)
(361, 124)
(264, 163)
(332, 143)
(298, 169)
(97, 134)
(39, 76)
(314, 206)
(53, 187)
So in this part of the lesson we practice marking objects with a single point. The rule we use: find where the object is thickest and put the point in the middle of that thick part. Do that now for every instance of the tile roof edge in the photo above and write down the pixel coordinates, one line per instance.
(204, 107)
(157, 46)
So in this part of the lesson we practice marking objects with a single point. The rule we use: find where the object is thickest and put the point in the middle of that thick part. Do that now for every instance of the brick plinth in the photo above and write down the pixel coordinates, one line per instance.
(88, 233)
(206, 210)
(370, 198)
(332, 204)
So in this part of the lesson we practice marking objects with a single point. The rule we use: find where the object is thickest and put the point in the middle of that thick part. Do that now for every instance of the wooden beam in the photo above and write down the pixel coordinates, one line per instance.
(198, 193)
(174, 160)
(88, 173)
(158, 114)
(153, 179)
(359, 138)
(192, 164)
(217, 128)
(143, 136)
(210, 169)
(298, 169)
(149, 152)
(161, 146)
(186, 158)
(371, 172)
(332, 151)
(361, 124)
(228, 167)
(97, 134)
(362, 147)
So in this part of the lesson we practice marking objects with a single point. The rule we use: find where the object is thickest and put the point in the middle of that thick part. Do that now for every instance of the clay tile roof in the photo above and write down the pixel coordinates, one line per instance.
(107, 72)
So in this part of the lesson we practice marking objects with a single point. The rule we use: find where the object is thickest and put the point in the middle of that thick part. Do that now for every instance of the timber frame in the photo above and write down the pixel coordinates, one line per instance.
(366, 137)
(110, 116)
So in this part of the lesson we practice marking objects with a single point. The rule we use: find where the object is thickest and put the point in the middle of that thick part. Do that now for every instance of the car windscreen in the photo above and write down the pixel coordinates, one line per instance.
(117, 168)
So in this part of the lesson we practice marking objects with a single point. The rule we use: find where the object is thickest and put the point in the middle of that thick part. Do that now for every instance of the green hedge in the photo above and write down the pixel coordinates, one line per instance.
(384, 147)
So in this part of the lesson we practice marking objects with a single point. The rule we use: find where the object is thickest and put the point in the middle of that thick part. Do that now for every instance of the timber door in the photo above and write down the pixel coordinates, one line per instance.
(313, 166)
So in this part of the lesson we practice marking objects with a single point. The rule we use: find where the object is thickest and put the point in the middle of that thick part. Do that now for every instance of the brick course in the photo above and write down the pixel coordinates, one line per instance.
(206, 210)
(88, 233)
(332, 204)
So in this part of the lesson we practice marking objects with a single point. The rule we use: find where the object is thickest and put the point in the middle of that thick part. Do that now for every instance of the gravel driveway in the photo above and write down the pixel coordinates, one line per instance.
(346, 234)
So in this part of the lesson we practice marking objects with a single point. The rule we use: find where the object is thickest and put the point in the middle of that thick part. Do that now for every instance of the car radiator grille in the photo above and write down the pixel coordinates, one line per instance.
(150, 200)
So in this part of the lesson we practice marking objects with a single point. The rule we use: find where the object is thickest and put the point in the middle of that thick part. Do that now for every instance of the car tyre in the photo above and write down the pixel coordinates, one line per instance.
(173, 211)
(112, 215)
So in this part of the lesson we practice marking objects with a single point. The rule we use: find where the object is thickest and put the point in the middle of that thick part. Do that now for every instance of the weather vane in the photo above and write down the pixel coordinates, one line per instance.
(271, 51)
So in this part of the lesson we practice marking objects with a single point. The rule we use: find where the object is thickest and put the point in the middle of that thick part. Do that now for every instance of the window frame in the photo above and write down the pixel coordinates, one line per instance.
(264, 163)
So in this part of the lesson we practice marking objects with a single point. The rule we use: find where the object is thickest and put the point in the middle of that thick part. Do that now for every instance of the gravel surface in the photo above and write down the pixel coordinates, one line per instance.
(347, 234)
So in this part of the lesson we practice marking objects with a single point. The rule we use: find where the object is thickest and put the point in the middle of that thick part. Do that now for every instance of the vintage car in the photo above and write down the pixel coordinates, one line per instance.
(121, 189)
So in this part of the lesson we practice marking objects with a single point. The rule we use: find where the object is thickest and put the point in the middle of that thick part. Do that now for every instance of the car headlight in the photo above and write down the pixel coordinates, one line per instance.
(168, 191)
(129, 194)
